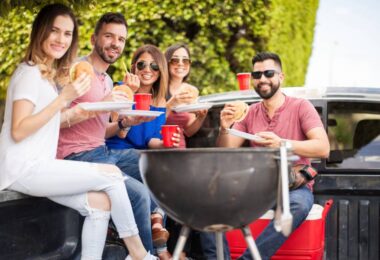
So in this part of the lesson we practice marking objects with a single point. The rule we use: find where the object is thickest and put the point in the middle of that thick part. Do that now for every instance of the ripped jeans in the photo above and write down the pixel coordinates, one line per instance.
(67, 183)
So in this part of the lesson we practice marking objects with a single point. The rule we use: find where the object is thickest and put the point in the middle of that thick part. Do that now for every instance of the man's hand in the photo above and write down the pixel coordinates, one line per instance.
(134, 120)
(227, 116)
(270, 140)
(116, 96)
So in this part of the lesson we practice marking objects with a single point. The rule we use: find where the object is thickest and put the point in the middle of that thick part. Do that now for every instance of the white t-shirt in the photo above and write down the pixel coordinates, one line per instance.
(17, 158)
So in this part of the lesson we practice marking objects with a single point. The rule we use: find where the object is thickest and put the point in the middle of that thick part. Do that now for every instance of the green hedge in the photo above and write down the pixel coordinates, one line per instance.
(222, 35)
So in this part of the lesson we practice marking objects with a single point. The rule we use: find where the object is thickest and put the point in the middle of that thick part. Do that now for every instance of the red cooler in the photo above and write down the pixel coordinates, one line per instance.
(306, 242)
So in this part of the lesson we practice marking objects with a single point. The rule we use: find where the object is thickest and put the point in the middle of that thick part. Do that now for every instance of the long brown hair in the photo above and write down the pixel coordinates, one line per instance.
(161, 85)
(41, 29)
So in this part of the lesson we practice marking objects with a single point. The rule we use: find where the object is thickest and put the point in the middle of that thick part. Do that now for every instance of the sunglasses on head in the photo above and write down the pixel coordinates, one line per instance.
(267, 73)
(176, 61)
(142, 64)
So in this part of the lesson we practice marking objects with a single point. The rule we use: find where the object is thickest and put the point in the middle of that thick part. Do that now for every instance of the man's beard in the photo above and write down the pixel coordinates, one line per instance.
(105, 58)
(267, 95)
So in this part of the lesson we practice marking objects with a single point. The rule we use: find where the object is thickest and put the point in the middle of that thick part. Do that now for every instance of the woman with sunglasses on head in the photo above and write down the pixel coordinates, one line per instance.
(179, 62)
(29, 137)
(149, 64)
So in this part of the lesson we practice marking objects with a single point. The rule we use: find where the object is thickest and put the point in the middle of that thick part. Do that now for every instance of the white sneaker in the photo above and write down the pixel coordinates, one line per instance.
(147, 257)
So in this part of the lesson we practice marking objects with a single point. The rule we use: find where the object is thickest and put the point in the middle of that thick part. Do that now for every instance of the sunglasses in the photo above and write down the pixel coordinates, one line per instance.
(267, 73)
(176, 61)
(142, 64)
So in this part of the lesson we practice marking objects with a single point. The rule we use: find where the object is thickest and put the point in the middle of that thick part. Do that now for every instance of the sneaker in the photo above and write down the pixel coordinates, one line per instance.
(147, 257)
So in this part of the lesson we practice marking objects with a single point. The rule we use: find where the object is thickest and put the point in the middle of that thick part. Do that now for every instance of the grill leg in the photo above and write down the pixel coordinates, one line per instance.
(251, 243)
(184, 234)
(219, 245)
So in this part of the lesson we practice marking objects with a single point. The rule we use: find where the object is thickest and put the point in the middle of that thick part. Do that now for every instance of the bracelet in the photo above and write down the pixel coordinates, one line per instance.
(223, 131)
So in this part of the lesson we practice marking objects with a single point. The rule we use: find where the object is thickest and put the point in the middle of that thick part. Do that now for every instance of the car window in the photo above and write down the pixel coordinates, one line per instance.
(354, 134)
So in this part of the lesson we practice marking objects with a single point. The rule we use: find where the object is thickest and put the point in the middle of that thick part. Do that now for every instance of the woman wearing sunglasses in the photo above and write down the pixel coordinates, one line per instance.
(179, 63)
(178, 57)
(149, 64)
(29, 138)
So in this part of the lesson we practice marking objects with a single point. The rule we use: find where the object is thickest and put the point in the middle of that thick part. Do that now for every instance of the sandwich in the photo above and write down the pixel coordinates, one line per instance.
(241, 110)
(126, 90)
(81, 67)
(191, 90)
(114, 115)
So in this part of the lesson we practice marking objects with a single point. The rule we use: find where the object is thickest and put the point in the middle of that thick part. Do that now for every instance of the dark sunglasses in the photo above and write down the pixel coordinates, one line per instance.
(142, 64)
(267, 73)
(176, 61)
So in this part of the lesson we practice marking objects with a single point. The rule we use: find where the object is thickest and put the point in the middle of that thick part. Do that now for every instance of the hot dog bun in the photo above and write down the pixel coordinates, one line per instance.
(81, 67)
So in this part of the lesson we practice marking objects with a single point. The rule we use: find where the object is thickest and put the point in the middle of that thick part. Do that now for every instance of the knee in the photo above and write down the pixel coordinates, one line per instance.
(99, 200)
(110, 170)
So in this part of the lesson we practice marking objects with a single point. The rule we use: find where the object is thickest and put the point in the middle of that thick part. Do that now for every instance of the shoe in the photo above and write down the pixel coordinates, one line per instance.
(165, 255)
(113, 237)
(159, 234)
(147, 257)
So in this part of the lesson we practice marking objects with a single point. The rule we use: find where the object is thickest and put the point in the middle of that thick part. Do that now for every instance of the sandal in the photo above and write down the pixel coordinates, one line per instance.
(159, 234)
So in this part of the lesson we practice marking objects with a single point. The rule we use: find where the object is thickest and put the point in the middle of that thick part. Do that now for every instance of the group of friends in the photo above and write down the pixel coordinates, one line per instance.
(51, 147)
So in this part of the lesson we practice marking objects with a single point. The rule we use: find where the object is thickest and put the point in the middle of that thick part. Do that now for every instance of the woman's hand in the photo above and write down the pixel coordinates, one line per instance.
(76, 89)
(132, 81)
(201, 114)
(176, 138)
(180, 98)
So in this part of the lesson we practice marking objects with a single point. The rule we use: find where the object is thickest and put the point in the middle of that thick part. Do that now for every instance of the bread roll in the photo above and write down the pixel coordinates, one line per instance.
(81, 67)
(193, 91)
(126, 90)
(241, 110)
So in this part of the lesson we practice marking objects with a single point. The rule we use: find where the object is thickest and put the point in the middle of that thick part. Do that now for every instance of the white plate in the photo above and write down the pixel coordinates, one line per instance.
(141, 113)
(192, 107)
(106, 106)
(245, 135)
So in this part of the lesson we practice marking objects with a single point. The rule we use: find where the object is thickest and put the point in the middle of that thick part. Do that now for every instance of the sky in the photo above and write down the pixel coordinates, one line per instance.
(346, 48)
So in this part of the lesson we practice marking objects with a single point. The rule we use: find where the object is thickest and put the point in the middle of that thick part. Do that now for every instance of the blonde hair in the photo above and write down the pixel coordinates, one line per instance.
(41, 29)
(159, 87)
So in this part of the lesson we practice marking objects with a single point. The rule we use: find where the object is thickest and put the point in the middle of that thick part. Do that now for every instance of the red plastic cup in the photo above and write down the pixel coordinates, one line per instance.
(244, 80)
(167, 132)
(142, 101)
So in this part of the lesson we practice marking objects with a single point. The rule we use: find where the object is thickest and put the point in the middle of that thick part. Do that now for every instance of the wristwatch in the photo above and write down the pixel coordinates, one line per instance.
(121, 127)
(308, 172)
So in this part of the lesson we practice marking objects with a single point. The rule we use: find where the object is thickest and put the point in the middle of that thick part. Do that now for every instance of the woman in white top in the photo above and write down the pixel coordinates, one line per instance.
(29, 136)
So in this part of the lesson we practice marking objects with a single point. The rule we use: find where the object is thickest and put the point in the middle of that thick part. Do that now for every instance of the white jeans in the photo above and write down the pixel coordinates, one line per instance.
(67, 182)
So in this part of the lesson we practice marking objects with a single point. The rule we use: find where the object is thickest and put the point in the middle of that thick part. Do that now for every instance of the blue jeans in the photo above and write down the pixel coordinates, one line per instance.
(138, 194)
(130, 166)
(208, 244)
(269, 241)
